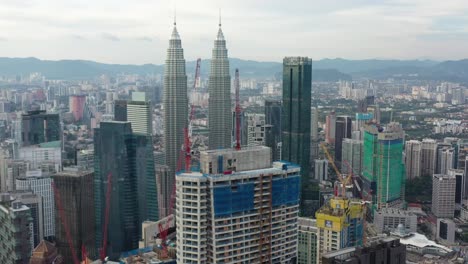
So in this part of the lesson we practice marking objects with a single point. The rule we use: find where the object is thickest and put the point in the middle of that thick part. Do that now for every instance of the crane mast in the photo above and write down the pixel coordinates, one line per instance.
(238, 111)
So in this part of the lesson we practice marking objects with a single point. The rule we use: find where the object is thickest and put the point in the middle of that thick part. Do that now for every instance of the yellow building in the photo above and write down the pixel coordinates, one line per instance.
(339, 224)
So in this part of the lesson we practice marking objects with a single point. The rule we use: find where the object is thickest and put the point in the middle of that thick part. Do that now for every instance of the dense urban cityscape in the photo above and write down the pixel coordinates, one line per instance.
(225, 160)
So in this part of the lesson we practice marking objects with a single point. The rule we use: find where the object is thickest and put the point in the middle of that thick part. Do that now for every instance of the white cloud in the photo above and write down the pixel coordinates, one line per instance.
(260, 29)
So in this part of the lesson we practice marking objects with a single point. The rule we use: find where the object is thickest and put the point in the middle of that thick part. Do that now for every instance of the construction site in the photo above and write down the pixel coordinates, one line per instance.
(238, 207)
(383, 170)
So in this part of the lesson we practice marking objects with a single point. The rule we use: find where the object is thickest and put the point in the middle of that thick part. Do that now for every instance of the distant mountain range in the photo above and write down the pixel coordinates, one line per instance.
(323, 70)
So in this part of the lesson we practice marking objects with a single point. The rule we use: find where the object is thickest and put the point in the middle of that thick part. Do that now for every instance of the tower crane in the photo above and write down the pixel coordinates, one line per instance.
(344, 182)
(238, 111)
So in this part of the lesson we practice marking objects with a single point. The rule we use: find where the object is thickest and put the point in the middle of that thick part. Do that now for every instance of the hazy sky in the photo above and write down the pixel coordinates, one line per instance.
(136, 31)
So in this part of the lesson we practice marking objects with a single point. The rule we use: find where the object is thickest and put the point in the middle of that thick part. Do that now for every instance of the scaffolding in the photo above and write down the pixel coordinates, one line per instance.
(383, 167)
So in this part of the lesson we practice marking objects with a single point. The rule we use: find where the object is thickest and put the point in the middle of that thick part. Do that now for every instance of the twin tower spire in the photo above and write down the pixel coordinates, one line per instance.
(175, 100)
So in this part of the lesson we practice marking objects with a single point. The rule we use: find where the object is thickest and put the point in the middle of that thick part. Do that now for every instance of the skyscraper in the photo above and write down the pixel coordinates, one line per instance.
(120, 110)
(330, 124)
(297, 89)
(114, 153)
(428, 157)
(383, 170)
(175, 100)
(352, 154)
(139, 114)
(38, 127)
(75, 187)
(443, 195)
(256, 129)
(243, 209)
(307, 246)
(273, 136)
(34, 203)
(16, 227)
(413, 159)
(219, 102)
(76, 105)
(41, 185)
(314, 140)
(343, 130)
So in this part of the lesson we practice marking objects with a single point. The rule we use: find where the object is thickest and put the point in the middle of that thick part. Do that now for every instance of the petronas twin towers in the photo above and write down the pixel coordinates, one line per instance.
(175, 99)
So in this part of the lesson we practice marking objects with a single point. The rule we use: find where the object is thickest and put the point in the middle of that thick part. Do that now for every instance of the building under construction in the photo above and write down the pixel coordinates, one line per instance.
(383, 171)
(340, 224)
(238, 209)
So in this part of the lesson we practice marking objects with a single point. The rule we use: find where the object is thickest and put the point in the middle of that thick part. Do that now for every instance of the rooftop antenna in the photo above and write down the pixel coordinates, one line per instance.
(175, 13)
(219, 17)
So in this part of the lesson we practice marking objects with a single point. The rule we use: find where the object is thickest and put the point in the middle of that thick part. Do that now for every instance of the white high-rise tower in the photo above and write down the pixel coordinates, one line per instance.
(175, 100)
(219, 103)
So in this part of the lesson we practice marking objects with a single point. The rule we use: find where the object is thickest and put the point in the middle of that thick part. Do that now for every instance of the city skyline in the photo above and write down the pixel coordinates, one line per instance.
(120, 32)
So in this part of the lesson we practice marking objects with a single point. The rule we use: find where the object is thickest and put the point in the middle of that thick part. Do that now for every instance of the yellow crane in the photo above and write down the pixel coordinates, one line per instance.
(344, 182)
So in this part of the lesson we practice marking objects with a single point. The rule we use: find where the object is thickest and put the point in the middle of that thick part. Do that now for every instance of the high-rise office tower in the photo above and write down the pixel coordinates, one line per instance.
(140, 115)
(41, 185)
(75, 187)
(340, 224)
(383, 170)
(460, 183)
(351, 152)
(428, 157)
(314, 123)
(76, 106)
(175, 100)
(447, 159)
(114, 153)
(165, 185)
(343, 130)
(34, 203)
(321, 169)
(120, 110)
(413, 155)
(297, 89)
(16, 243)
(314, 138)
(241, 195)
(38, 127)
(110, 98)
(219, 102)
(273, 136)
(256, 129)
(307, 246)
(443, 195)
(330, 124)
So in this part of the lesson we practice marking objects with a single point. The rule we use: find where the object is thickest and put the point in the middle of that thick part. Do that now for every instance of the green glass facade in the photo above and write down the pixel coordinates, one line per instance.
(383, 169)
(297, 88)
(129, 158)
(39, 127)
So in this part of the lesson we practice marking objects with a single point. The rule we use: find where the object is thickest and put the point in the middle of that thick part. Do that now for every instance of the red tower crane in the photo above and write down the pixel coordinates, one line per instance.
(84, 254)
(197, 73)
(65, 224)
(187, 133)
(102, 252)
(238, 110)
